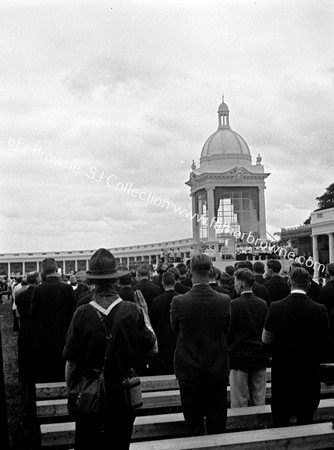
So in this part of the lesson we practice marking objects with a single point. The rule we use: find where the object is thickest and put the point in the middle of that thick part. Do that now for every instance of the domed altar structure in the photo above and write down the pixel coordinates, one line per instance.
(227, 190)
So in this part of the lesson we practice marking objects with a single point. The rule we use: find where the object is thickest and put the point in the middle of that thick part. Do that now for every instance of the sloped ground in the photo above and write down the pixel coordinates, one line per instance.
(23, 429)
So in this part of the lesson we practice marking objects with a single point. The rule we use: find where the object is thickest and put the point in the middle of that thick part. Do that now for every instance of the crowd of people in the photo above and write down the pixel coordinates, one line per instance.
(209, 327)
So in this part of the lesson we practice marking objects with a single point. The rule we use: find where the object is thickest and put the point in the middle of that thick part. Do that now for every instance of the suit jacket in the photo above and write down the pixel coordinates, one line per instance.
(244, 338)
(220, 289)
(160, 321)
(126, 293)
(149, 291)
(314, 291)
(259, 290)
(181, 288)
(200, 318)
(326, 296)
(278, 288)
(299, 330)
(52, 307)
(187, 281)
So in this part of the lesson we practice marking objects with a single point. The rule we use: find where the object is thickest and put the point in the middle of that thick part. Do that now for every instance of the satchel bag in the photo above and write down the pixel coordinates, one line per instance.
(87, 397)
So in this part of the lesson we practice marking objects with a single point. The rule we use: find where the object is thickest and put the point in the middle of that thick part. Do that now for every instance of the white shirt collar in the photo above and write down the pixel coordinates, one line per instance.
(298, 291)
(103, 310)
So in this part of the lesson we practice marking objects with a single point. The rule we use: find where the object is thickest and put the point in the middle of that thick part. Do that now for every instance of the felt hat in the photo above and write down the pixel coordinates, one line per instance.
(102, 265)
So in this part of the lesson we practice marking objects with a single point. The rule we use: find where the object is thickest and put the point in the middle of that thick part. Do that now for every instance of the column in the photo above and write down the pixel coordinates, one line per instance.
(23, 267)
(315, 253)
(262, 213)
(8, 271)
(75, 265)
(195, 223)
(331, 247)
(211, 213)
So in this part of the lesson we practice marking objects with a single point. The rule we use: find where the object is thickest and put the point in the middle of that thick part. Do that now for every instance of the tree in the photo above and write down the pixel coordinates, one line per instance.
(326, 200)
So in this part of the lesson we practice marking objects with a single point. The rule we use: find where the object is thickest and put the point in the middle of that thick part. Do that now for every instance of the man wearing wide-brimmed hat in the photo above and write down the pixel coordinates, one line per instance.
(85, 349)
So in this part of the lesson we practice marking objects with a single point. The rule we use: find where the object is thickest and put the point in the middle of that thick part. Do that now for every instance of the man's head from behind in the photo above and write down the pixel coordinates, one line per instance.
(274, 267)
(143, 271)
(176, 273)
(200, 266)
(33, 278)
(330, 270)
(243, 280)
(258, 268)
(49, 267)
(213, 274)
(300, 279)
(168, 280)
(243, 265)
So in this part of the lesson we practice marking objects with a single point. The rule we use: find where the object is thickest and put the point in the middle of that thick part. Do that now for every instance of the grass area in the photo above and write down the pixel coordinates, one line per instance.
(23, 429)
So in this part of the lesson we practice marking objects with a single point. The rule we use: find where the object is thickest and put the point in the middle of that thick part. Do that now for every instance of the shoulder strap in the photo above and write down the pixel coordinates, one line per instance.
(109, 335)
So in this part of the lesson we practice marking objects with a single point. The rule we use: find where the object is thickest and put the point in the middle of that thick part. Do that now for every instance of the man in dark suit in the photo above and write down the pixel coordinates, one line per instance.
(23, 303)
(147, 288)
(184, 275)
(277, 286)
(213, 282)
(179, 287)
(248, 358)
(259, 269)
(125, 290)
(52, 308)
(162, 364)
(296, 332)
(259, 290)
(326, 294)
(200, 318)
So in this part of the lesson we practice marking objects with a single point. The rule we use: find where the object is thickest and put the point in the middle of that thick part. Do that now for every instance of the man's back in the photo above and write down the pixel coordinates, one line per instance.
(300, 328)
(52, 308)
(278, 288)
(149, 291)
(166, 337)
(326, 296)
(246, 349)
(201, 319)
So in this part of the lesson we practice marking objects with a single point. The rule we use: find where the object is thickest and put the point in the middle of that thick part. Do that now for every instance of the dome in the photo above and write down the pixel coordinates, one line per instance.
(223, 107)
(225, 142)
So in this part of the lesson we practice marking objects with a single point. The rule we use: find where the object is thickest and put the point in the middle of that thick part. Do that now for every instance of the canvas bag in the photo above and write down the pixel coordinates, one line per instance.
(87, 394)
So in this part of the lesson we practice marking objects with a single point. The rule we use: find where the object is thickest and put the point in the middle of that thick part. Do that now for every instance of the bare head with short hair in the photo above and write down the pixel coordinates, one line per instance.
(33, 277)
(243, 280)
(168, 279)
(258, 267)
(300, 279)
(49, 266)
(143, 271)
(176, 273)
(274, 266)
(200, 265)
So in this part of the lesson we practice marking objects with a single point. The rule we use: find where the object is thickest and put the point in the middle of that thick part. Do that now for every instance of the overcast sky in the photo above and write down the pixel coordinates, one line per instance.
(95, 93)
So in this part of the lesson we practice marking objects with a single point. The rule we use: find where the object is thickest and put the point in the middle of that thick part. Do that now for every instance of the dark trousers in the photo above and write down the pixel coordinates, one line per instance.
(204, 403)
(112, 432)
(298, 396)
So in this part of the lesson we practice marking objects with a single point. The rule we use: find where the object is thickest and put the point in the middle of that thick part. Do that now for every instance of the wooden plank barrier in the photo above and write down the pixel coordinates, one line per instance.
(161, 395)
(307, 437)
(172, 425)
(149, 384)
(156, 400)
